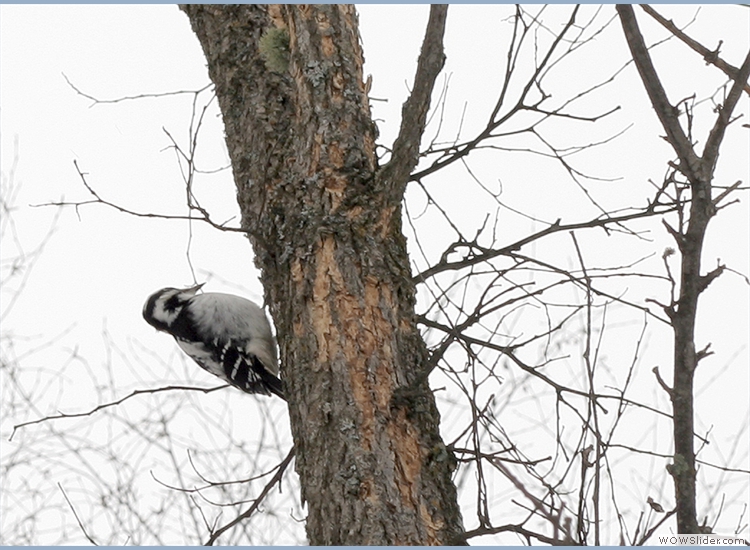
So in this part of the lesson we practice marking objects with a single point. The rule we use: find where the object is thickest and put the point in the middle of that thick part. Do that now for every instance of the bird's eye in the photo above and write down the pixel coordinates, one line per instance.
(173, 302)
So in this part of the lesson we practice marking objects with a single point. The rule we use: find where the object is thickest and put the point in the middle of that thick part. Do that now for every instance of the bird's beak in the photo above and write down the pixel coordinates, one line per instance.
(193, 289)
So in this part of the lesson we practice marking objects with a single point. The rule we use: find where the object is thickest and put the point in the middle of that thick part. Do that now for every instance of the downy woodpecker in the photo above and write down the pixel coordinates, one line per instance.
(227, 335)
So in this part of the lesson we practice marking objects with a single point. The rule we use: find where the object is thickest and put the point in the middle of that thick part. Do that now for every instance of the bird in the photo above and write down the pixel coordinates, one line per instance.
(227, 335)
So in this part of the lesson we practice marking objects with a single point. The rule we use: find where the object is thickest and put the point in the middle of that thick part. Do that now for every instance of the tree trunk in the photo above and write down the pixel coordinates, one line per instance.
(325, 224)
(689, 236)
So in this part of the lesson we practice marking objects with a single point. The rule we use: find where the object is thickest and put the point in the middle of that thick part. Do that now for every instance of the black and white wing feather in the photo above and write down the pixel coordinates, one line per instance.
(230, 361)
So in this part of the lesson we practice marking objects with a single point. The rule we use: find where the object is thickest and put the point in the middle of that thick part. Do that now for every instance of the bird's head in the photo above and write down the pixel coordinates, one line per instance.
(163, 307)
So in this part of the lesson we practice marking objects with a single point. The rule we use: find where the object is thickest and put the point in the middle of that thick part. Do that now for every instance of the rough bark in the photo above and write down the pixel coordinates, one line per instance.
(699, 172)
(325, 224)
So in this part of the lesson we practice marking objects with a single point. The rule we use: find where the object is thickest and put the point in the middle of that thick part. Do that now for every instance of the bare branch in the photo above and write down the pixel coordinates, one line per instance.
(553, 228)
(726, 192)
(661, 381)
(512, 528)
(414, 112)
(665, 111)
(80, 524)
(653, 529)
(710, 56)
(724, 118)
(98, 200)
(113, 403)
(97, 101)
(258, 501)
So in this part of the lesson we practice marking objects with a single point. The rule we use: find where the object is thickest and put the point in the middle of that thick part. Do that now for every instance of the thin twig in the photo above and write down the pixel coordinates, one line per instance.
(97, 101)
(112, 404)
(254, 506)
(80, 523)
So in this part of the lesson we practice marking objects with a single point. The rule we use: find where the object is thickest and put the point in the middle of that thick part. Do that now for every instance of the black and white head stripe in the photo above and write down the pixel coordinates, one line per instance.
(226, 335)
(163, 308)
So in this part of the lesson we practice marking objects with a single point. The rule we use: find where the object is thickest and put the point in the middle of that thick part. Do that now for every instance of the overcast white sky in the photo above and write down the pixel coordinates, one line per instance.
(100, 265)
